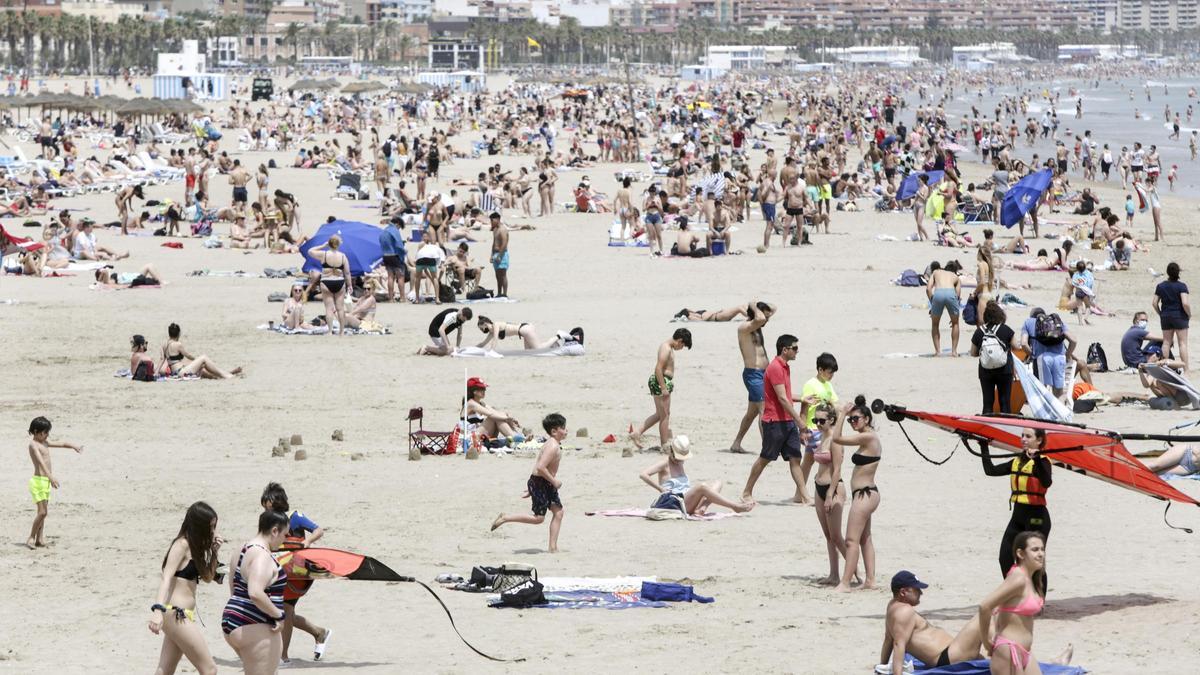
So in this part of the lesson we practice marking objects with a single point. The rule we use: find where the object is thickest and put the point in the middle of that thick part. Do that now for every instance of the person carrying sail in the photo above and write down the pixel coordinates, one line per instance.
(1029, 477)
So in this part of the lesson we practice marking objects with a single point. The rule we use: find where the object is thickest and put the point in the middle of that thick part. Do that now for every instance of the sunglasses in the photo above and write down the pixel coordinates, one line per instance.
(821, 420)
(792, 348)
(854, 418)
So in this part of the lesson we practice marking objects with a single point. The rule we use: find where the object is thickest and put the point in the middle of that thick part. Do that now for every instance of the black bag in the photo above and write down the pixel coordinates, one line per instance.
(446, 293)
(511, 575)
(528, 594)
(479, 293)
(1049, 329)
(970, 310)
(1096, 355)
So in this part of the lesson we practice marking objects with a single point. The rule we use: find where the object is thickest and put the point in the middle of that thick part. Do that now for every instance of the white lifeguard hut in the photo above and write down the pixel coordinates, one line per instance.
(185, 75)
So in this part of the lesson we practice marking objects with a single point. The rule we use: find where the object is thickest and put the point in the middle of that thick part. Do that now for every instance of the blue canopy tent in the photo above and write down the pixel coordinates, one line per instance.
(360, 244)
(1023, 197)
(908, 187)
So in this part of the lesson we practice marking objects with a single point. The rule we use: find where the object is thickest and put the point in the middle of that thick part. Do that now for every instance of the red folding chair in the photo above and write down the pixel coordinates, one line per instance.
(429, 442)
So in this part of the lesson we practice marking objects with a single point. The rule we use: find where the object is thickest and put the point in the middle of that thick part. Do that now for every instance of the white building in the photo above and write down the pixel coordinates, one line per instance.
(701, 73)
(986, 55)
(185, 75)
(1097, 52)
(589, 13)
(458, 9)
(462, 80)
(405, 11)
(745, 57)
(896, 56)
(101, 10)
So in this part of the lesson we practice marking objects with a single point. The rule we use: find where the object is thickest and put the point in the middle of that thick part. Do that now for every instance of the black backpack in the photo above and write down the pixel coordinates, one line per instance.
(1096, 356)
(1049, 329)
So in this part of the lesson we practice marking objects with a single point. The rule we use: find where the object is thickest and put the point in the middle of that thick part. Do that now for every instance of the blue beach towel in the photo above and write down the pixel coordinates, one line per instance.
(597, 600)
(671, 592)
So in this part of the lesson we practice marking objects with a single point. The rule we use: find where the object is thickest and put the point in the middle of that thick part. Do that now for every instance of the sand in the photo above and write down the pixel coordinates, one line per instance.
(1121, 589)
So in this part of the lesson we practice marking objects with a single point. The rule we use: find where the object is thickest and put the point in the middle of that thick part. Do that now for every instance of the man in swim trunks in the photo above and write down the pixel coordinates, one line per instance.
(906, 631)
(943, 290)
(794, 201)
(781, 420)
(500, 255)
(238, 178)
(768, 194)
(662, 385)
(754, 365)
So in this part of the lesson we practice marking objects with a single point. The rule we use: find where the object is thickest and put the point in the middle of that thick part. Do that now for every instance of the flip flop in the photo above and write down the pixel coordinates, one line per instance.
(319, 648)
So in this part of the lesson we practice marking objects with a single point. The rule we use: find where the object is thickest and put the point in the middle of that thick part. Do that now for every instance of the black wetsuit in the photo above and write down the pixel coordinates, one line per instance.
(1025, 517)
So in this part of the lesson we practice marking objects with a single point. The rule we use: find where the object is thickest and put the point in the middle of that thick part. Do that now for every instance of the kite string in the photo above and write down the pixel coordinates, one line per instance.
(1173, 527)
(460, 635)
(923, 456)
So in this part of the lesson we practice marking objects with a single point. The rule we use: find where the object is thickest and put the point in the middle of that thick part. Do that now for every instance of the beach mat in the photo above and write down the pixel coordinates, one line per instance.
(982, 667)
(322, 330)
(645, 513)
(479, 352)
(597, 600)
(126, 374)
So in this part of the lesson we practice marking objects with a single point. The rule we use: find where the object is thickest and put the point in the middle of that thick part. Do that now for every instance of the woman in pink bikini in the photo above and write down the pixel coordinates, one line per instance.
(1015, 603)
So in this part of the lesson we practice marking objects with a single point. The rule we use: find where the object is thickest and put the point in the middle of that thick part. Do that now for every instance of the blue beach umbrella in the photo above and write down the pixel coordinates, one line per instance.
(360, 244)
(1023, 197)
(909, 186)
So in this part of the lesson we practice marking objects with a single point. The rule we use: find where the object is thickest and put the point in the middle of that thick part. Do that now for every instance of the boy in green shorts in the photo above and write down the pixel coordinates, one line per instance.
(43, 478)
(817, 390)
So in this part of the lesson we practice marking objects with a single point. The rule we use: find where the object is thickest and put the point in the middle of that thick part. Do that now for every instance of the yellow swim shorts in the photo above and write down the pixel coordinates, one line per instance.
(39, 487)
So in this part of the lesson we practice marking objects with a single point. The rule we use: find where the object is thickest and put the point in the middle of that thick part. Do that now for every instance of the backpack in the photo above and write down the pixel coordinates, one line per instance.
(992, 352)
(910, 278)
(1096, 355)
(1049, 329)
(446, 293)
(479, 293)
(970, 311)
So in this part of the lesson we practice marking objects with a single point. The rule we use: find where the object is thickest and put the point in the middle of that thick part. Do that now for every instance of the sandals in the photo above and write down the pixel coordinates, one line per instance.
(319, 648)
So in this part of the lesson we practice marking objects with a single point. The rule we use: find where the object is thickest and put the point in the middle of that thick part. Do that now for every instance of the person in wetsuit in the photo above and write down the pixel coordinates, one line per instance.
(1029, 475)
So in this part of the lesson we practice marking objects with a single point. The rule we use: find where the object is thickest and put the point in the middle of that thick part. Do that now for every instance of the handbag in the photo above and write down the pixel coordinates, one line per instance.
(512, 575)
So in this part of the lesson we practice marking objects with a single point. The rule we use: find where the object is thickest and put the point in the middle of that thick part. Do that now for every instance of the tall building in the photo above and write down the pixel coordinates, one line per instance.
(405, 11)
(865, 15)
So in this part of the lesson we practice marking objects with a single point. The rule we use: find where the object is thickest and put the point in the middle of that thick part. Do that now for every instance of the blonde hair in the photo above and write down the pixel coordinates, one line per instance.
(335, 242)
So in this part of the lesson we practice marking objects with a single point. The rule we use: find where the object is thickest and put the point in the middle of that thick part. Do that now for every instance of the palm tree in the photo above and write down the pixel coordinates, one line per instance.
(291, 36)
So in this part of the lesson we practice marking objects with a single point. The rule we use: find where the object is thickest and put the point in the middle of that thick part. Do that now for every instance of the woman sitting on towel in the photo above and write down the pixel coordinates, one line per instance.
(668, 476)
(494, 332)
(1015, 603)
(293, 309)
(492, 422)
(178, 362)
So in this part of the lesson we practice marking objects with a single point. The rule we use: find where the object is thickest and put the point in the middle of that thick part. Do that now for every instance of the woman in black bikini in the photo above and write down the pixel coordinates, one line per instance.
(191, 558)
(335, 272)
(178, 362)
(828, 506)
(864, 497)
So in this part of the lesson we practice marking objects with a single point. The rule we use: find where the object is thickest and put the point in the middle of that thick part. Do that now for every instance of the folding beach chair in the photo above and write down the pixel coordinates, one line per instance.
(428, 442)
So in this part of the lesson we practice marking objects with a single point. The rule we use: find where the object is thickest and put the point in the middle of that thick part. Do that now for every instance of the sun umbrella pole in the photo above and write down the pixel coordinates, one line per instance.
(464, 440)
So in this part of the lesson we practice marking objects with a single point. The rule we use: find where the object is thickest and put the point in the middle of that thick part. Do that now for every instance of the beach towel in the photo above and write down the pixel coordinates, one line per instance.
(368, 328)
(572, 349)
(628, 243)
(126, 374)
(587, 599)
(982, 667)
(646, 513)
(494, 299)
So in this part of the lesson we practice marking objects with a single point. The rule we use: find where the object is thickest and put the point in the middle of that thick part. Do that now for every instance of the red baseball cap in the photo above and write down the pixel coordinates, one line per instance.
(476, 382)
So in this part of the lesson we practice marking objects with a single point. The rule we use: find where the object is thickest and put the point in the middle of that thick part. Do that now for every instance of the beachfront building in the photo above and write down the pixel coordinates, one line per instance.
(701, 73)
(185, 75)
(1156, 15)
(466, 81)
(746, 57)
(920, 15)
(894, 56)
(254, 9)
(987, 55)
(1096, 52)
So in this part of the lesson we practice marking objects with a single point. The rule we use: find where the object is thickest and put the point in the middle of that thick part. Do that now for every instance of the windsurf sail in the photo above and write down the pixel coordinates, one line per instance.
(1097, 453)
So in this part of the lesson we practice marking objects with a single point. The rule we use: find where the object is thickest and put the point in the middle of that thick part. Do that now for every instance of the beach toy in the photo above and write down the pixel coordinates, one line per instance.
(609, 439)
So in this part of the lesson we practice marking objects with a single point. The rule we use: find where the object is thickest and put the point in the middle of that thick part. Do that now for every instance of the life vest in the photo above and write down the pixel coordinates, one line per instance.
(1026, 488)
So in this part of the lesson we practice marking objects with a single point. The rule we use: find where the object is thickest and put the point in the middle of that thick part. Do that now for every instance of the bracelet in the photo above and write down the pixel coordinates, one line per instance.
(158, 608)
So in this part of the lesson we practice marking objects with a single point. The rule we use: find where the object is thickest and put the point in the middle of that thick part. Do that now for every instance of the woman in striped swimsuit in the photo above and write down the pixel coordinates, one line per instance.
(254, 614)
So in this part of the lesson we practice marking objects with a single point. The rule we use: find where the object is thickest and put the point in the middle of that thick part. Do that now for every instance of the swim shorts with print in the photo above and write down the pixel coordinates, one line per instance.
(543, 494)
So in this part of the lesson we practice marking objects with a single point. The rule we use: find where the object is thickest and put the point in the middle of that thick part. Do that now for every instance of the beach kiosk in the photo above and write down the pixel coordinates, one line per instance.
(184, 75)
(467, 81)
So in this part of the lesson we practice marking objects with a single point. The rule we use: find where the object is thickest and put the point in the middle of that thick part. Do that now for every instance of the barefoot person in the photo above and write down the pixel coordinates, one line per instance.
(781, 420)
(754, 365)
(191, 558)
(542, 487)
(943, 289)
(1029, 478)
(447, 321)
(493, 423)
(817, 389)
(828, 506)
(253, 616)
(43, 476)
(335, 274)
(1015, 603)
(668, 477)
(907, 632)
(864, 496)
(661, 385)
(178, 362)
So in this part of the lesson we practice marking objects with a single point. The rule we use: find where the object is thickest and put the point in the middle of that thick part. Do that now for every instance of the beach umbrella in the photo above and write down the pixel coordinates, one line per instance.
(1097, 453)
(360, 244)
(363, 86)
(184, 107)
(10, 244)
(908, 187)
(1023, 197)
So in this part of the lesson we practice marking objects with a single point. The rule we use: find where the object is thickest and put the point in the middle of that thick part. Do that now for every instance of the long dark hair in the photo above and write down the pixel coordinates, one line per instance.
(1020, 543)
(198, 531)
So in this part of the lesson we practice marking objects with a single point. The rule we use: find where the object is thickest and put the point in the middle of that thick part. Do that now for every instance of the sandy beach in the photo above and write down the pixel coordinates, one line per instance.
(1121, 581)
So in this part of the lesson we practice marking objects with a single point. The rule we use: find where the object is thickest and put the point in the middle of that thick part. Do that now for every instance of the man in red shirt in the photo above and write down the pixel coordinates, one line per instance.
(781, 421)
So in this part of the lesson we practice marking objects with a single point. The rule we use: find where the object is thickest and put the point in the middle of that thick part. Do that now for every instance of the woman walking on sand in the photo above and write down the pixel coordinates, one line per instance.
(191, 558)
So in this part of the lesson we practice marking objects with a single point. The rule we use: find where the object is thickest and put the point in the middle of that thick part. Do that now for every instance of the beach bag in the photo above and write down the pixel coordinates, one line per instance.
(513, 575)
(910, 278)
(668, 592)
(1049, 329)
(479, 293)
(992, 352)
(970, 310)
(528, 593)
(446, 293)
(1096, 356)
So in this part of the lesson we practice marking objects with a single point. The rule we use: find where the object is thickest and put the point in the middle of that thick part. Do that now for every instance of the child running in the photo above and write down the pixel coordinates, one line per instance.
(43, 476)
(543, 484)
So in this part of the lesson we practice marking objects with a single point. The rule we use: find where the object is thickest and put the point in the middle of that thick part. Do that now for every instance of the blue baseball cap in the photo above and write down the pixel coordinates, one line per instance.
(906, 579)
